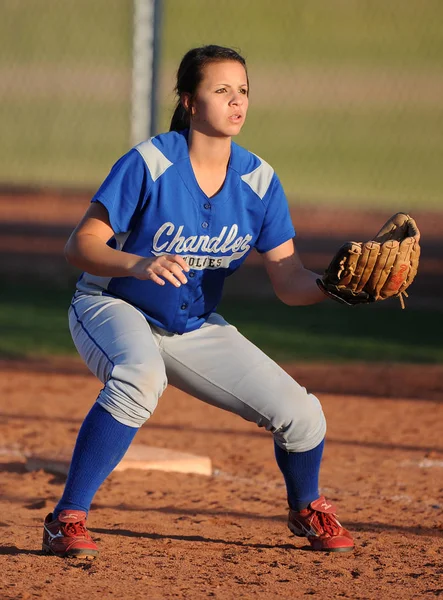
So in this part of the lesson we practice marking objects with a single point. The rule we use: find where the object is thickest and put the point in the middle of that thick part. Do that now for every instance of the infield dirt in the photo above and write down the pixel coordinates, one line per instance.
(169, 535)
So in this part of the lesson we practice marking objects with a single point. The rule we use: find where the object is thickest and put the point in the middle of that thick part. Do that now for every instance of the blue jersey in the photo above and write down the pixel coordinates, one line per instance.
(156, 207)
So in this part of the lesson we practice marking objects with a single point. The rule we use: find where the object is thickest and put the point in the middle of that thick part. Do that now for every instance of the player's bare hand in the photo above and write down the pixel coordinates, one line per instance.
(169, 267)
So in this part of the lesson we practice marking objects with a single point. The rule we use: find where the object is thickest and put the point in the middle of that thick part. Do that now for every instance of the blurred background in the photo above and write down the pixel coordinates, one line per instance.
(345, 103)
(346, 95)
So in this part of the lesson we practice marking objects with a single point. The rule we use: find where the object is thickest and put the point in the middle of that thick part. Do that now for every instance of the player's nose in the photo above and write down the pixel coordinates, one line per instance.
(237, 99)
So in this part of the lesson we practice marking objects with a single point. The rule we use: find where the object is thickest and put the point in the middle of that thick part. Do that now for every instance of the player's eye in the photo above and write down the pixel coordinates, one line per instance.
(220, 90)
(244, 91)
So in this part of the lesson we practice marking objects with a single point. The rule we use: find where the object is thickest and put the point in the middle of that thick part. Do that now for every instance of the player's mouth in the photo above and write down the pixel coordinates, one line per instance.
(236, 118)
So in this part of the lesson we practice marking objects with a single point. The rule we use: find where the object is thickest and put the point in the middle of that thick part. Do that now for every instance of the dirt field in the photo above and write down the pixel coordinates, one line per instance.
(166, 535)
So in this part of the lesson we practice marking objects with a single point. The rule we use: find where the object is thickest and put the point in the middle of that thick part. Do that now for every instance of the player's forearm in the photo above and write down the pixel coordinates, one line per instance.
(300, 290)
(89, 253)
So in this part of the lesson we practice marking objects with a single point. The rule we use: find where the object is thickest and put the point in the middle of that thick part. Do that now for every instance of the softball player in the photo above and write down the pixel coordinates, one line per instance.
(177, 215)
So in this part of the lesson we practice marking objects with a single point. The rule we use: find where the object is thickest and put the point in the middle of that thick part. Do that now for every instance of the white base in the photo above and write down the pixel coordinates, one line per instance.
(138, 456)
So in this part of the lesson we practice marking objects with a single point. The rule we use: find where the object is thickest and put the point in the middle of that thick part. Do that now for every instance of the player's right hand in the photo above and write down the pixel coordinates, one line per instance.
(169, 267)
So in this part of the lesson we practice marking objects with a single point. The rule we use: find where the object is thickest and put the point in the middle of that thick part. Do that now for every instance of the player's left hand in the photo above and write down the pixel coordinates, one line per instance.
(382, 268)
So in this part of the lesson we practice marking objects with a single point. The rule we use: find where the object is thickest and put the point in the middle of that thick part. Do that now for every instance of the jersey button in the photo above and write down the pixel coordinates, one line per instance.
(205, 224)
(191, 274)
(184, 306)
(207, 206)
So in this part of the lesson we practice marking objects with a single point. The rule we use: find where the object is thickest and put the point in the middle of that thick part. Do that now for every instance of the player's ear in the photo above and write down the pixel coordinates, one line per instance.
(186, 100)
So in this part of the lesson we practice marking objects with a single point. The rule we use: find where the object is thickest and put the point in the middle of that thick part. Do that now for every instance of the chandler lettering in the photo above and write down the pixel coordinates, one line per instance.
(168, 240)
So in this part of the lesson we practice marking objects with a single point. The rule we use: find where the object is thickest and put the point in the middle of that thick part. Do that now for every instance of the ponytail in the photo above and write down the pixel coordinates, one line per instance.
(180, 119)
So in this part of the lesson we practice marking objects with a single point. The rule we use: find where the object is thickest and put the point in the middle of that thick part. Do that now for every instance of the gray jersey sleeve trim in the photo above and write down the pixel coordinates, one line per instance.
(121, 238)
(260, 178)
(93, 284)
(155, 160)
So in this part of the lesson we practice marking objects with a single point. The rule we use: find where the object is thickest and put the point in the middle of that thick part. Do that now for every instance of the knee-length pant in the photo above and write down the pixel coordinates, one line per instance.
(135, 361)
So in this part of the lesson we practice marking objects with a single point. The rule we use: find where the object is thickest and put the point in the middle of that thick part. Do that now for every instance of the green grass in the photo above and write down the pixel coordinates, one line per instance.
(329, 32)
(71, 32)
(380, 146)
(374, 155)
(388, 169)
(62, 149)
(319, 31)
(33, 322)
(330, 332)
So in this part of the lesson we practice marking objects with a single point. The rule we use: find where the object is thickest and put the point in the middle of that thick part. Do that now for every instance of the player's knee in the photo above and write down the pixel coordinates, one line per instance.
(132, 392)
(301, 426)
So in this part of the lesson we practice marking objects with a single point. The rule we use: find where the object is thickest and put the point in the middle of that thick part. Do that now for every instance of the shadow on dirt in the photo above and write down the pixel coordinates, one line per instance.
(354, 526)
(17, 467)
(14, 551)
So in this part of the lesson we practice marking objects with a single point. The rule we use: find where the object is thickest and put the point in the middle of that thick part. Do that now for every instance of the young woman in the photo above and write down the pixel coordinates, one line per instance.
(176, 215)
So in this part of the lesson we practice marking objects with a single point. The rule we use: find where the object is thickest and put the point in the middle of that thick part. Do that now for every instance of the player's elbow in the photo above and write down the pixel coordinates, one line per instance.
(73, 252)
(285, 294)
(292, 299)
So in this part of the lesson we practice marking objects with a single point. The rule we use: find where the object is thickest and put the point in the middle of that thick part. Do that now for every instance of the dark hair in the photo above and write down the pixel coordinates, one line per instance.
(190, 74)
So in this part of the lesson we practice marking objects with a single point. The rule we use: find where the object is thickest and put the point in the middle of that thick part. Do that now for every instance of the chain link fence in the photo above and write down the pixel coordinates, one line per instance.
(64, 89)
(345, 96)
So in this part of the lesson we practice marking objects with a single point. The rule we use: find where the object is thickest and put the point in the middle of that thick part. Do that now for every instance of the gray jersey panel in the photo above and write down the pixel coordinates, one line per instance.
(155, 160)
(260, 178)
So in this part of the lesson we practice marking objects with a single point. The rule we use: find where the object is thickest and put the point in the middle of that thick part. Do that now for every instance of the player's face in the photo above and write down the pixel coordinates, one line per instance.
(221, 102)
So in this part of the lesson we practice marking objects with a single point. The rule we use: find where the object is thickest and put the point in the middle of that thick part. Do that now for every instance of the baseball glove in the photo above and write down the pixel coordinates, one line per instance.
(363, 272)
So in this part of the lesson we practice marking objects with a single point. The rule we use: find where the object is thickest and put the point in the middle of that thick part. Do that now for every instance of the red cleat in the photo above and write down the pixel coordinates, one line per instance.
(67, 536)
(320, 525)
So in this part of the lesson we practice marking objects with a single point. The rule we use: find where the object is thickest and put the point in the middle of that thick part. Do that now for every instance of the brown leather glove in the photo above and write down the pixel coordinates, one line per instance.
(363, 272)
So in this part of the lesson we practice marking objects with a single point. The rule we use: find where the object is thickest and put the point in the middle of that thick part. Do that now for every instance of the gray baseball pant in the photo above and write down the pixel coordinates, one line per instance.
(135, 360)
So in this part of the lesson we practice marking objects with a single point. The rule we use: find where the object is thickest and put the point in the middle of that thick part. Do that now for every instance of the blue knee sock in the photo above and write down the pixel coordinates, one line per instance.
(301, 472)
(101, 444)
